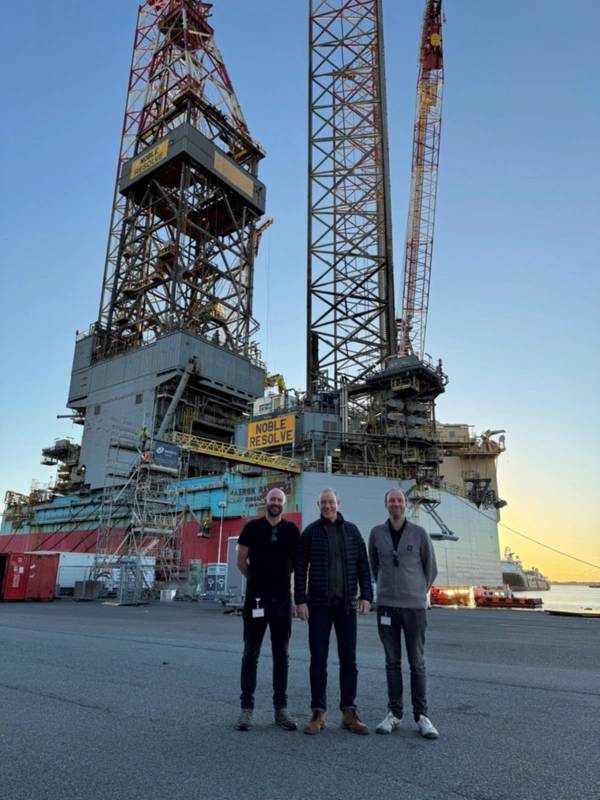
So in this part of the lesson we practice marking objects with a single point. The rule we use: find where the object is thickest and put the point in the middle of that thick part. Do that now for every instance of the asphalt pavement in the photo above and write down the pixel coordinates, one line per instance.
(114, 703)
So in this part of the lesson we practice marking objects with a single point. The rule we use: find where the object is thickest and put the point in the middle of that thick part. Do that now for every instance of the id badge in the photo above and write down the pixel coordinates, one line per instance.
(258, 612)
(385, 620)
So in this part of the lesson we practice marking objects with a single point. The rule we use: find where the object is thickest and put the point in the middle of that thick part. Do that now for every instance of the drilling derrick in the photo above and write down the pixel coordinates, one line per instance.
(172, 349)
(180, 252)
(425, 159)
(351, 327)
(383, 393)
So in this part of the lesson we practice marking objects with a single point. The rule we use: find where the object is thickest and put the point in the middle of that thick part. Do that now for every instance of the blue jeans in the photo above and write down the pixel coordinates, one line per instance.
(320, 621)
(413, 622)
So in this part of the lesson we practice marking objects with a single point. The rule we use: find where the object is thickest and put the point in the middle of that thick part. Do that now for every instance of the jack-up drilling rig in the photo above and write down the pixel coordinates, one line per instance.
(171, 355)
(172, 350)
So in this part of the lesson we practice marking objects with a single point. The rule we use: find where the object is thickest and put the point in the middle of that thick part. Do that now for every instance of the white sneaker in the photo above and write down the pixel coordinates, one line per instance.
(389, 724)
(426, 728)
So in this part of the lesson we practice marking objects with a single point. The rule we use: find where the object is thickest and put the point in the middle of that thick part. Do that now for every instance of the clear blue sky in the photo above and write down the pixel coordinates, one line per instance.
(515, 282)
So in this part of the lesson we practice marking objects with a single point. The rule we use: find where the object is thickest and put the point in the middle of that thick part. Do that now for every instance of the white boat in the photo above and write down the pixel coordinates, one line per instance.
(520, 579)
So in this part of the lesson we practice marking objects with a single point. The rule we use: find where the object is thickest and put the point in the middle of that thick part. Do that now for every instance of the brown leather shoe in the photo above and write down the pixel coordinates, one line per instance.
(352, 723)
(316, 723)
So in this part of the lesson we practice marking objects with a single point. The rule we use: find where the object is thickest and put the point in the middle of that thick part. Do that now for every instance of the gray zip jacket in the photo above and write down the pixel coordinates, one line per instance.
(406, 585)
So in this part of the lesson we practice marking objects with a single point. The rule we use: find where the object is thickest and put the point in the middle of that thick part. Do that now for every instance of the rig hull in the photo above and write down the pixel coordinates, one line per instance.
(70, 524)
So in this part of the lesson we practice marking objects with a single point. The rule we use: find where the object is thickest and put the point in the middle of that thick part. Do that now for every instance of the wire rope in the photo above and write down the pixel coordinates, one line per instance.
(530, 539)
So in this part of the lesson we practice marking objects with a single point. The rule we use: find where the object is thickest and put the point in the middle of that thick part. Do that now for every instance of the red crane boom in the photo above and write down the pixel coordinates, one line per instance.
(421, 214)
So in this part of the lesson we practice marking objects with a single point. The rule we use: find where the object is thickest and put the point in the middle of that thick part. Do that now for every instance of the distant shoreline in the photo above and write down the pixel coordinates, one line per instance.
(573, 583)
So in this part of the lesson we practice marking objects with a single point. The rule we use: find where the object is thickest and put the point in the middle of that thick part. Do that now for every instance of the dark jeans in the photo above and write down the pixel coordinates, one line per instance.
(320, 620)
(413, 622)
(278, 617)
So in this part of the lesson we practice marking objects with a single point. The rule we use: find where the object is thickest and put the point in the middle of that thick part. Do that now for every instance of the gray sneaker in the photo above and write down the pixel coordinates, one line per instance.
(426, 728)
(283, 719)
(388, 724)
(244, 723)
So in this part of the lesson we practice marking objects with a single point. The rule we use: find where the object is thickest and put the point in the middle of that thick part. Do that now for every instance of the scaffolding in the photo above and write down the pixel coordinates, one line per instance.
(139, 537)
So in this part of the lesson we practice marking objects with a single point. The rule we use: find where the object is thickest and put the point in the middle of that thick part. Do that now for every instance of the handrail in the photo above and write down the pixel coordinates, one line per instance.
(231, 452)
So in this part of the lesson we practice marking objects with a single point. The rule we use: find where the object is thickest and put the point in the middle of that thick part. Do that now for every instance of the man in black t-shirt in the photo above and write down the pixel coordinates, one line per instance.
(267, 550)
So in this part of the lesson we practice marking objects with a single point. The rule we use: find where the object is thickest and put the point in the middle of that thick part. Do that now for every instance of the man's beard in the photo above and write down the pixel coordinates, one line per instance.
(273, 511)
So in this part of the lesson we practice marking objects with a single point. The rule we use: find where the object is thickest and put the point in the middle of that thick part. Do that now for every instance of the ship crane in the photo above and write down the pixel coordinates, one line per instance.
(425, 159)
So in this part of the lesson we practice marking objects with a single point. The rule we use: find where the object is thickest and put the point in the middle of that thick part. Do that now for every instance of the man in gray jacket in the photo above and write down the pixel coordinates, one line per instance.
(403, 563)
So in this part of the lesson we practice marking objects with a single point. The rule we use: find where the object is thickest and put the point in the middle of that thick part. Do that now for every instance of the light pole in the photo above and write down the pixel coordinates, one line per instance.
(222, 506)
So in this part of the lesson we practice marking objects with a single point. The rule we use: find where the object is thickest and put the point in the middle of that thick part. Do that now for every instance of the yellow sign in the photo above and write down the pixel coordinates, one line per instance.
(234, 174)
(149, 159)
(272, 432)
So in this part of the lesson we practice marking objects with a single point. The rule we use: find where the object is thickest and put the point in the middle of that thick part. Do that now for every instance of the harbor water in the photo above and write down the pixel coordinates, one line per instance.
(568, 597)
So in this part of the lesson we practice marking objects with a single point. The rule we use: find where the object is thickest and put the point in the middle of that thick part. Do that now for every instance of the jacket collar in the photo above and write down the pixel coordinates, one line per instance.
(339, 520)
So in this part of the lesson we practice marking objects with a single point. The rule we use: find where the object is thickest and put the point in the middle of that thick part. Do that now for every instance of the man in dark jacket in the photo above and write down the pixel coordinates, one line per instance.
(403, 563)
(333, 556)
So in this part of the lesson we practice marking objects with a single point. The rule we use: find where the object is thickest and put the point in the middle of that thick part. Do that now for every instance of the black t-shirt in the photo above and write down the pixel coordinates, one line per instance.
(271, 557)
(336, 558)
(396, 534)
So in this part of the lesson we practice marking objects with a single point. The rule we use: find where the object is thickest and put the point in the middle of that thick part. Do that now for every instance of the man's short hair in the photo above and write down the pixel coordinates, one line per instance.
(276, 489)
(328, 491)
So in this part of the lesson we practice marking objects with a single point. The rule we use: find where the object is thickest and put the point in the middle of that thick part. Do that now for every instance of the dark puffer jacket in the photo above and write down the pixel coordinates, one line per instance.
(313, 559)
